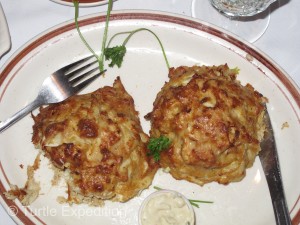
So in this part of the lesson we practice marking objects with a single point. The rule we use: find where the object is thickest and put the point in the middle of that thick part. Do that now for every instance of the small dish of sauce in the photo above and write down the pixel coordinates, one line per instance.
(166, 207)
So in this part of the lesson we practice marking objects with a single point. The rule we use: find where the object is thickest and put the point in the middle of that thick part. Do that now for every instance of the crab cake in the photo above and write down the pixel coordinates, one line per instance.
(97, 140)
(215, 124)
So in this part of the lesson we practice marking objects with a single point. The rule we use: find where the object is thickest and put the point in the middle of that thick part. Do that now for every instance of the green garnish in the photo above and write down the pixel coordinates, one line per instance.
(157, 188)
(157, 145)
(236, 70)
(99, 58)
(114, 54)
(116, 60)
(192, 201)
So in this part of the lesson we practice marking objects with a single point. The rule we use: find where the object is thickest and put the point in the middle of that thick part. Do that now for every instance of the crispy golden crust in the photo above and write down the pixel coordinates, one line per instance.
(215, 124)
(98, 139)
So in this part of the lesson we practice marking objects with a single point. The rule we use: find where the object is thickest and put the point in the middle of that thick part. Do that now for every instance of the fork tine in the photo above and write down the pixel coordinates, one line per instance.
(75, 65)
(80, 70)
(79, 78)
(85, 83)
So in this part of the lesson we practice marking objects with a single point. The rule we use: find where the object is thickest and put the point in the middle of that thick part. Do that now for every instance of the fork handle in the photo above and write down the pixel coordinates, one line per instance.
(19, 115)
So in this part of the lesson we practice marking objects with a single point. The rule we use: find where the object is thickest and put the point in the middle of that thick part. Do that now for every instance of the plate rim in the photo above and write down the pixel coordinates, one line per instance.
(150, 15)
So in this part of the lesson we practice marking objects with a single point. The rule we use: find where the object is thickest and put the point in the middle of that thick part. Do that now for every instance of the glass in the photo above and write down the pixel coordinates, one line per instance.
(248, 19)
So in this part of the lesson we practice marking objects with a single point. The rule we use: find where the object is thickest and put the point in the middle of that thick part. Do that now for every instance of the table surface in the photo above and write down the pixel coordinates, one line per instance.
(26, 19)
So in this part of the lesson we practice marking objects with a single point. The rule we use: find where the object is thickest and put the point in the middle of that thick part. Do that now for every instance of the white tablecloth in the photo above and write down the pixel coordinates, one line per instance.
(28, 18)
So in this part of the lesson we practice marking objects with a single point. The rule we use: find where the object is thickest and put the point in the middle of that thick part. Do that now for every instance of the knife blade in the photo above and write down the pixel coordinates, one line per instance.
(270, 163)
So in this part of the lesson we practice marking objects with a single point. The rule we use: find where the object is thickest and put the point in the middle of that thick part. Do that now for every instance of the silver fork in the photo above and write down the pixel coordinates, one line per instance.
(60, 85)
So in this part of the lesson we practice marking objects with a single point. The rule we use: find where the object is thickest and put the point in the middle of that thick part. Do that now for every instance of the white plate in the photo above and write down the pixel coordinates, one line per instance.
(82, 3)
(143, 73)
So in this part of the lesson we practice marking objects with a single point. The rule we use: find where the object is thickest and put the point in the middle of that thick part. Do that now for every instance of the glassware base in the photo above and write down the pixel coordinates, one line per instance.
(249, 28)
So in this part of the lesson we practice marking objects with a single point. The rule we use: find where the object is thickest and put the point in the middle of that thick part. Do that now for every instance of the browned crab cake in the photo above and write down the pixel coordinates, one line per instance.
(98, 140)
(215, 124)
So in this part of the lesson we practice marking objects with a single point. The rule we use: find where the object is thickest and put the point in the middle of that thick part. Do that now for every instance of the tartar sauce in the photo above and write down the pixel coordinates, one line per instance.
(166, 207)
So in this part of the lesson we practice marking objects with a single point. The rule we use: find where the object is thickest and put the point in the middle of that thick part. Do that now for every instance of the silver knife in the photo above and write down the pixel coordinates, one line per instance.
(270, 163)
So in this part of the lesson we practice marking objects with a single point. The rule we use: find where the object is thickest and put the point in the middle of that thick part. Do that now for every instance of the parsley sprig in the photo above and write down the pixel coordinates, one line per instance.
(117, 53)
(157, 145)
(114, 54)
(100, 58)
(192, 201)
